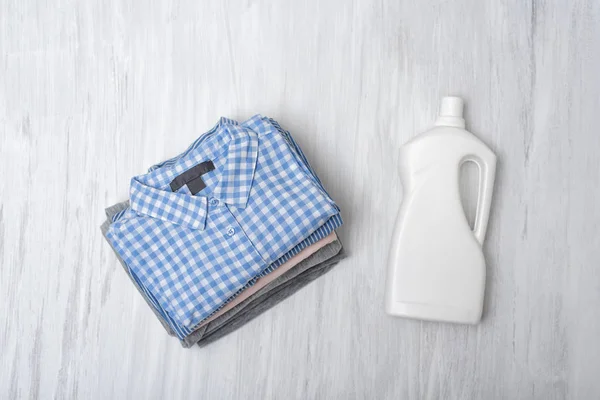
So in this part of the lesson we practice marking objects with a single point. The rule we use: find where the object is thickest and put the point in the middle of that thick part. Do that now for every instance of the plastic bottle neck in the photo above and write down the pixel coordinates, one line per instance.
(454, 122)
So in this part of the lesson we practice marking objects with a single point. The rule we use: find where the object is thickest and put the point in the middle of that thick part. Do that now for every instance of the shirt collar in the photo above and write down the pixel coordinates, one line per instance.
(237, 175)
(235, 179)
(178, 208)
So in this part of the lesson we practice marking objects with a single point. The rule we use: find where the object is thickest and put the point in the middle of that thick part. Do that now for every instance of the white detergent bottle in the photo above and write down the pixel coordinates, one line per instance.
(436, 268)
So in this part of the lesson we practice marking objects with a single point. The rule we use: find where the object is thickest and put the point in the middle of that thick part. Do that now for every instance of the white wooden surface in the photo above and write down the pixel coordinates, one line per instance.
(94, 92)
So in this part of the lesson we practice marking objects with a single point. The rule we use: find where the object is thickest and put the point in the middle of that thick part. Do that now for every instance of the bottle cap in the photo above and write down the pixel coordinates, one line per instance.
(451, 112)
(452, 107)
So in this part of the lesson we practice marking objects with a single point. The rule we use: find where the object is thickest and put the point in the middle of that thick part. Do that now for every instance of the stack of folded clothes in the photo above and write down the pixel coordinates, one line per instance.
(224, 231)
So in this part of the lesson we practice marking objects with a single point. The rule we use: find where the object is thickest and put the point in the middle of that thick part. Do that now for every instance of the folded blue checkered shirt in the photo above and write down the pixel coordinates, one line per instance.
(192, 251)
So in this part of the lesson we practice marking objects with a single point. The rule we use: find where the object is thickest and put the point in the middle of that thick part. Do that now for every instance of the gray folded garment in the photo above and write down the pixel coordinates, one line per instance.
(273, 293)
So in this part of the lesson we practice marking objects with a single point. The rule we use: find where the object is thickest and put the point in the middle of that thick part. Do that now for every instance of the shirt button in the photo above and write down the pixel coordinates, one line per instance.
(230, 231)
(214, 202)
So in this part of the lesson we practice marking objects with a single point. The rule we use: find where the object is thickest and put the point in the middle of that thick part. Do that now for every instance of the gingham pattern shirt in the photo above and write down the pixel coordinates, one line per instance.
(192, 253)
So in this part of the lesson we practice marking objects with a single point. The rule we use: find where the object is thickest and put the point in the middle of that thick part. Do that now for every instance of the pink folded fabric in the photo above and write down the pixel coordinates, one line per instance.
(262, 282)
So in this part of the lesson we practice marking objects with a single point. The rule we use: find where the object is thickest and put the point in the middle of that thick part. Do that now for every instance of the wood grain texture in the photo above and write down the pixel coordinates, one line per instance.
(92, 93)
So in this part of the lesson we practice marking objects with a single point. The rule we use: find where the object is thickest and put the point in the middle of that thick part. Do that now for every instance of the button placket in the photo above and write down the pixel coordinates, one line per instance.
(233, 232)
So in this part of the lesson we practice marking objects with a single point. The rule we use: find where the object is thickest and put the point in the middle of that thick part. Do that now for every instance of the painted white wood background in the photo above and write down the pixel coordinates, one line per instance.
(94, 92)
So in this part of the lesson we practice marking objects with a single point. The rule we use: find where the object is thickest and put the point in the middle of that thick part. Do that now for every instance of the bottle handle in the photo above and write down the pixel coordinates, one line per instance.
(487, 173)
